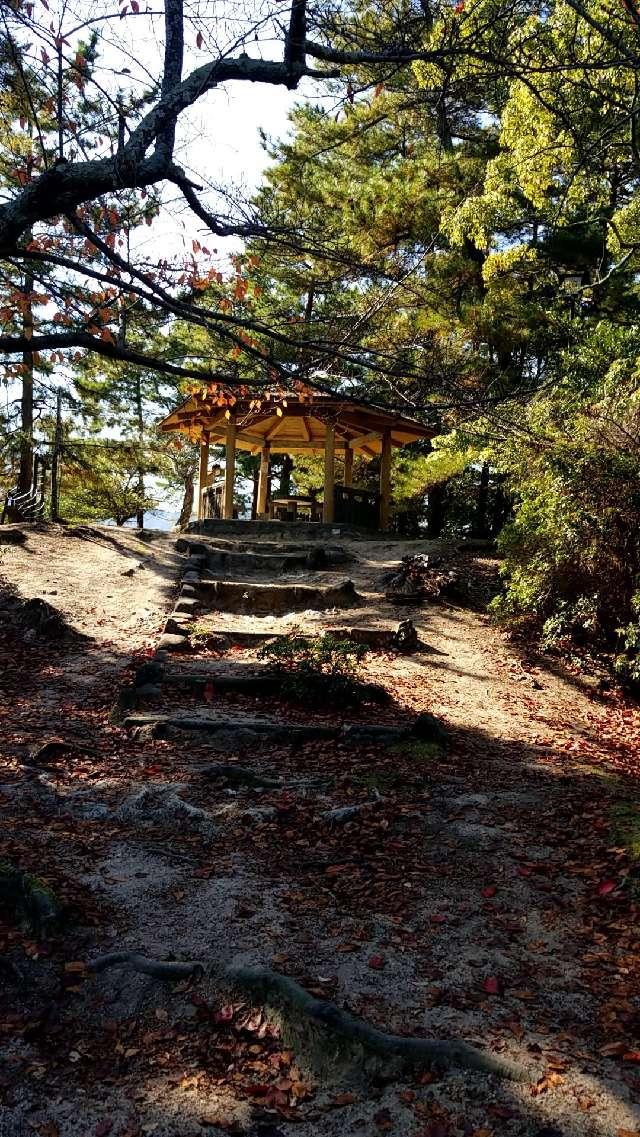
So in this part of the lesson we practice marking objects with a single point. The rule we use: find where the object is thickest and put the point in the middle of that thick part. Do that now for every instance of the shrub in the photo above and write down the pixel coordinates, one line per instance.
(319, 664)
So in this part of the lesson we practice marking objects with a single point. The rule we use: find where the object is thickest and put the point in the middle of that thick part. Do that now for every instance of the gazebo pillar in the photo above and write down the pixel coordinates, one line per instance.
(329, 472)
(203, 471)
(230, 467)
(385, 481)
(348, 465)
(263, 482)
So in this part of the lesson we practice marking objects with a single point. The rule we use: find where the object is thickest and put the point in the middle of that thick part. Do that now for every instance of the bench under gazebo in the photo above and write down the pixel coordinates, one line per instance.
(309, 422)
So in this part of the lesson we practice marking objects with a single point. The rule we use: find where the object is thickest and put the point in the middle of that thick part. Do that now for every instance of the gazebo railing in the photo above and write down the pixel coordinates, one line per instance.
(212, 499)
(356, 507)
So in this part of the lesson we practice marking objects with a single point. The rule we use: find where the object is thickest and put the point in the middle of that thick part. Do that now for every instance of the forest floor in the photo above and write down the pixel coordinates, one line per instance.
(486, 892)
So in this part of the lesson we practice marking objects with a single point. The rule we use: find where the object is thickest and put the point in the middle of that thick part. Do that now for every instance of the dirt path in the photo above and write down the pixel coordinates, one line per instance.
(483, 895)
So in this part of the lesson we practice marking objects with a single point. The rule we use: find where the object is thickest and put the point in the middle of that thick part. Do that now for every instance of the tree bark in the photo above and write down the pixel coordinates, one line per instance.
(25, 472)
(436, 509)
(187, 501)
(285, 476)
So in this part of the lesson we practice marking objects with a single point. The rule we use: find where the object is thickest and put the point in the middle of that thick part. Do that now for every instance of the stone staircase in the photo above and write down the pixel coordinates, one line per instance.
(207, 676)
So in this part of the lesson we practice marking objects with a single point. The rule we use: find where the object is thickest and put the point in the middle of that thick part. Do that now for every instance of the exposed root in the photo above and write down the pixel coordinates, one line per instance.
(326, 1038)
(344, 813)
(238, 776)
(158, 968)
(162, 804)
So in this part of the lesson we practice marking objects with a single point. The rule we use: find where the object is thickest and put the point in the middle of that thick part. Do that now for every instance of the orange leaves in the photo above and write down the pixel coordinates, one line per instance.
(241, 286)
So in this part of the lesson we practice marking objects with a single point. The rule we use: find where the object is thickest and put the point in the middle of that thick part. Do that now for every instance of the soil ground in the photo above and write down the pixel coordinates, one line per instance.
(487, 892)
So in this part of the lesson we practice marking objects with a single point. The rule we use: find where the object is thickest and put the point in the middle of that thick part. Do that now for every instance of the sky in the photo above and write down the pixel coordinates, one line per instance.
(218, 141)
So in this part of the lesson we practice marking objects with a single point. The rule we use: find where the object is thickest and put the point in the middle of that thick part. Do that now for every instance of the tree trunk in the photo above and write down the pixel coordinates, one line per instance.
(480, 523)
(141, 487)
(187, 502)
(436, 509)
(285, 476)
(254, 499)
(25, 472)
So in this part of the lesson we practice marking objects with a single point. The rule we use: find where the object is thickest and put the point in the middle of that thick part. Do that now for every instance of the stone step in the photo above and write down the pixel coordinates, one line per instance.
(260, 680)
(276, 599)
(239, 730)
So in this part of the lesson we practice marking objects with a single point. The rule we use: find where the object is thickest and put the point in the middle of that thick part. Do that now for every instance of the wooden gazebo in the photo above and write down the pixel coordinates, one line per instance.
(300, 422)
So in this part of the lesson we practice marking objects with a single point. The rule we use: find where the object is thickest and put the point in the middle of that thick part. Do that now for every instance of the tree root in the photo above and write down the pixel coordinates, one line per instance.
(236, 776)
(158, 968)
(160, 804)
(327, 1039)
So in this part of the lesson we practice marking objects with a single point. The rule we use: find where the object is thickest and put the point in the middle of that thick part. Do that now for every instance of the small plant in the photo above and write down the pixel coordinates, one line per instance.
(418, 751)
(625, 818)
(310, 665)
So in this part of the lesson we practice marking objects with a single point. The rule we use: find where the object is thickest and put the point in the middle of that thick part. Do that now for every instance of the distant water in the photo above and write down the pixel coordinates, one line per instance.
(153, 519)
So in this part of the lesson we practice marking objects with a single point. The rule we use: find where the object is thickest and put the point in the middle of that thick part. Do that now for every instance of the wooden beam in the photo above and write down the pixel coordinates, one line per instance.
(277, 428)
(385, 481)
(329, 473)
(348, 466)
(263, 483)
(203, 471)
(230, 467)
(362, 439)
(306, 429)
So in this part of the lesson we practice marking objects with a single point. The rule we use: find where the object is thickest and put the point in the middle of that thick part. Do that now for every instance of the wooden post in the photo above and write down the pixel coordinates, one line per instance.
(348, 465)
(385, 481)
(203, 471)
(329, 472)
(263, 484)
(229, 467)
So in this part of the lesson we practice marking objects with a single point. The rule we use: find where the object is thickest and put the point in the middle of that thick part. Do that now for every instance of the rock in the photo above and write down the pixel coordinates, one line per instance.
(148, 691)
(93, 811)
(10, 536)
(175, 625)
(187, 604)
(427, 728)
(405, 637)
(149, 731)
(190, 577)
(174, 642)
(149, 672)
(188, 592)
(316, 559)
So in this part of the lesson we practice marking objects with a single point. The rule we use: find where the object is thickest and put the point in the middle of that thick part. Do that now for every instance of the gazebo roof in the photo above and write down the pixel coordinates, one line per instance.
(295, 423)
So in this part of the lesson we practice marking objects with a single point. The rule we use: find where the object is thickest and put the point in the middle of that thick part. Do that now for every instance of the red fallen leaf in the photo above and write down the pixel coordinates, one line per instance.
(199, 39)
(103, 1127)
(257, 1089)
(377, 962)
(489, 891)
(492, 985)
(524, 870)
(383, 1120)
(607, 886)
(437, 918)
(631, 1056)
(613, 1049)
(209, 692)
(224, 1015)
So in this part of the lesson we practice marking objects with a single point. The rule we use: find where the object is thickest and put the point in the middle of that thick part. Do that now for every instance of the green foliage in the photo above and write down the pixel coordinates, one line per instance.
(319, 664)
(572, 553)
(102, 483)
